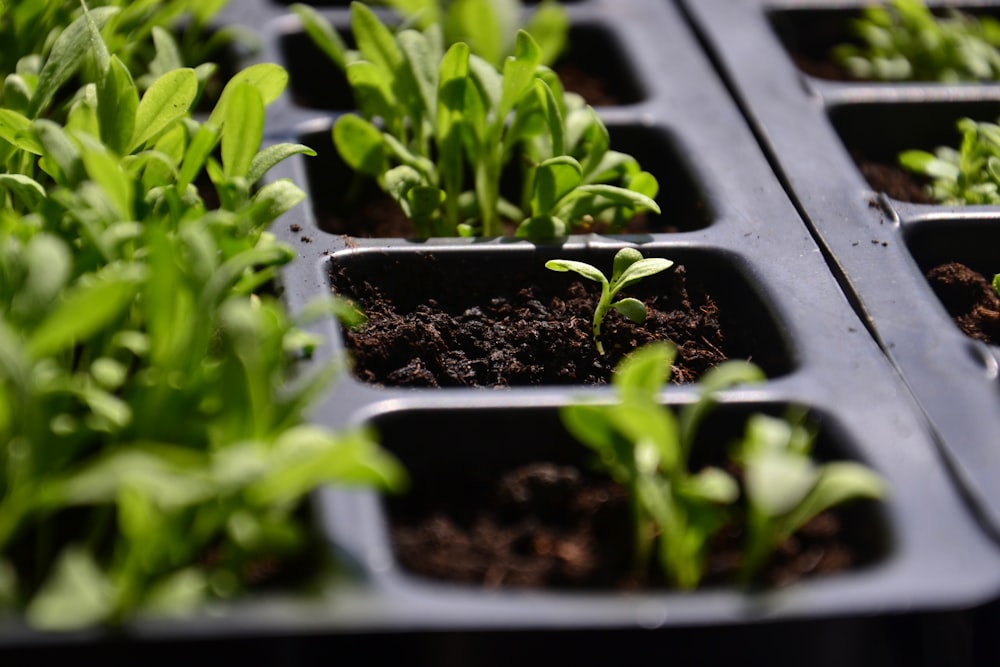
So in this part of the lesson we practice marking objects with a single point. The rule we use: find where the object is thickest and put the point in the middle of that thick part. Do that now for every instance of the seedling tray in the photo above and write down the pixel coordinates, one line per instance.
(879, 246)
(928, 558)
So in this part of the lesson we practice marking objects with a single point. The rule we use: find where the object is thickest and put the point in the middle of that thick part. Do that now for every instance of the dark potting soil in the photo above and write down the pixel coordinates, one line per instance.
(893, 180)
(379, 217)
(969, 298)
(524, 330)
(556, 526)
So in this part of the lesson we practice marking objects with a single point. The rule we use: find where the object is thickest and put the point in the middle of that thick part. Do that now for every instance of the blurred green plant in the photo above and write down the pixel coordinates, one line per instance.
(969, 174)
(676, 512)
(153, 392)
(905, 40)
(430, 121)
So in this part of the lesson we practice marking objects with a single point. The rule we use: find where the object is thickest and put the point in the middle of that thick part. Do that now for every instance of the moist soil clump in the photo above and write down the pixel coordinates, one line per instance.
(530, 327)
(970, 300)
(556, 526)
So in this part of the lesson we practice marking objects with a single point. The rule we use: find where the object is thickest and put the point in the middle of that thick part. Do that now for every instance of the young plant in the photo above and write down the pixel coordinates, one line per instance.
(784, 487)
(629, 268)
(488, 26)
(153, 395)
(969, 174)
(676, 512)
(431, 121)
(906, 41)
(646, 448)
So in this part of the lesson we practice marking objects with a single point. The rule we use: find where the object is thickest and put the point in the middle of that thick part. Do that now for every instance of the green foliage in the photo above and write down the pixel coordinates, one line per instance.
(906, 41)
(647, 448)
(143, 35)
(969, 174)
(152, 395)
(784, 488)
(629, 268)
(432, 120)
(489, 26)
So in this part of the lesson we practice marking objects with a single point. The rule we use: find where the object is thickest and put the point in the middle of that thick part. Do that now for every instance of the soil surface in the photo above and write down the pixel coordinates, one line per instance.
(969, 298)
(379, 217)
(529, 329)
(893, 180)
(554, 525)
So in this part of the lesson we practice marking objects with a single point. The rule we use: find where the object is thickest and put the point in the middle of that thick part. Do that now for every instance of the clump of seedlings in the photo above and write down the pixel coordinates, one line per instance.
(969, 174)
(629, 268)
(440, 129)
(676, 510)
(153, 390)
(487, 26)
(905, 40)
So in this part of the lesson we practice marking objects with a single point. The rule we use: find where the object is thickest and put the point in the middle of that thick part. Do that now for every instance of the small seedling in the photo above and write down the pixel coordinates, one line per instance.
(969, 174)
(488, 26)
(904, 40)
(676, 512)
(438, 129)
(629, 268)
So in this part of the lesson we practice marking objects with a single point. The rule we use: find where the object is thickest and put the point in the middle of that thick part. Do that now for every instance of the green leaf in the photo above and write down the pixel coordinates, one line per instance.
(266, 159)
(375, 41)
(624, 258)
(554, 179)
(360, 144)
(837, 483)
(243, 131)
(269, 79)
(167, 100)
(633, 309)
(75, 595)
(619, 196)
(201, 146)
(322, 33)
(424, 200)
(104, 169)
(16, 129)
(644, 372)
(542, 227)
(372, 91)
(26, 189)
(586, 270)
(307, 456)
(590, 425)
(549, 27)
(178, 594)
(422, 69)
(117, 103)
(518, 72)
(484, 24)
(65, 58)
(275, 199)
(86, 309)
(712, 485)
(642, 269)
(777, 482)
(62, 152)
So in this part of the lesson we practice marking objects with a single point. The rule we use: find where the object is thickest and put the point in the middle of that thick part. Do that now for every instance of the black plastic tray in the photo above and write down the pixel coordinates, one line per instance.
(934, 559)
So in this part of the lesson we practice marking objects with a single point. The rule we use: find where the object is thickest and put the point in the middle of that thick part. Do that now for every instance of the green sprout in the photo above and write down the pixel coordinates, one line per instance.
(154, 392)
(969, 174)
(906, 41)
(676, 511)
(784, 487)
(438, 129)
(487, 26)
(629, 268)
